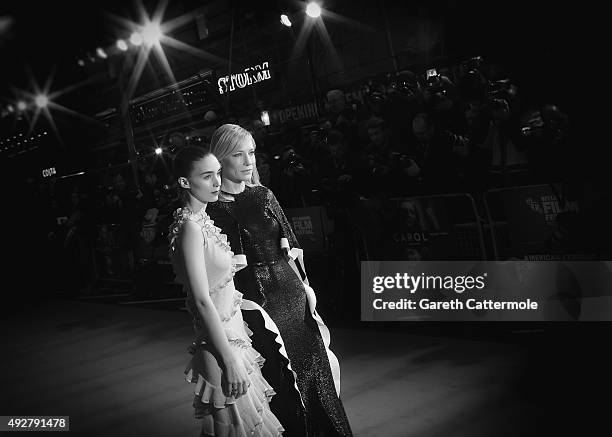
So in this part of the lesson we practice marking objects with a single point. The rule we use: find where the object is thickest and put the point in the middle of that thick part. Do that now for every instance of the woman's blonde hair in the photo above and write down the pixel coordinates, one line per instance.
(226, 139)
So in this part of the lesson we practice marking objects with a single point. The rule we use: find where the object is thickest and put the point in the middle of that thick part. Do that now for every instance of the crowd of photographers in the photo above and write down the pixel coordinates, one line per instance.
(462, 129)
(415, 134)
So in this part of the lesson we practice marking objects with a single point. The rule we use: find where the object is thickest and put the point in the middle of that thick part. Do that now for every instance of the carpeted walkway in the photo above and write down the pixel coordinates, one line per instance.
(117, 371)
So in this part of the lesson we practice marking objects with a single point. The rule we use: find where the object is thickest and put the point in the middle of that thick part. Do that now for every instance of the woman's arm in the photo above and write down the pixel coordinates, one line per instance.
(234, 375)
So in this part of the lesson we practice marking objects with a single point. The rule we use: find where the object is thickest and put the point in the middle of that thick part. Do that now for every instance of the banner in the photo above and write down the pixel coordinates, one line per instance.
(302, 114)
(535, 223)
(308, 226)
(423, 228)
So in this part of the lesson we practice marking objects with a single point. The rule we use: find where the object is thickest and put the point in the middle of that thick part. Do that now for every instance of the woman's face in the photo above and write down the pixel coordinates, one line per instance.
(205, 179)
(238, 166)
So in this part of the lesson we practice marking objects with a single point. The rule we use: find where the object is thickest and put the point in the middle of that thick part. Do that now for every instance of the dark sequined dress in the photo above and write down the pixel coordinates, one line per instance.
(255, 224)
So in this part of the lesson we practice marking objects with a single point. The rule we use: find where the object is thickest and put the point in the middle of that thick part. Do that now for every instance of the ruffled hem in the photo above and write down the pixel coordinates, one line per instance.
(269, 426)
(334, 364)
(269, 324)
(222, 415)
(311, 298)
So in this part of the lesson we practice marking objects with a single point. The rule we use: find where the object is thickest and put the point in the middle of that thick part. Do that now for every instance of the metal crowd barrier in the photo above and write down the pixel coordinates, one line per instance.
(142, 264)
(113, 259)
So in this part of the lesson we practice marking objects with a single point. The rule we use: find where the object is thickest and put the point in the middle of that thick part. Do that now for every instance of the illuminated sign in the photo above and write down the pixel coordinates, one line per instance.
(48, 172)
(250, 76)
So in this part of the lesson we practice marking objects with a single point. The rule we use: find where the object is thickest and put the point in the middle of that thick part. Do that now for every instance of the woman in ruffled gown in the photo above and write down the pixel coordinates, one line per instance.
(300, 367)
(231, 395)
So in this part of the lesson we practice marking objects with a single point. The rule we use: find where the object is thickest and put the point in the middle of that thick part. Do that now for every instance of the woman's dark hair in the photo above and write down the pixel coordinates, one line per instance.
(184, 159)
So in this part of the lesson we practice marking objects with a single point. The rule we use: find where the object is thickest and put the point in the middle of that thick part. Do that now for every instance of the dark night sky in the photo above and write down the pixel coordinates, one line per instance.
(53, 34)
(46, 33)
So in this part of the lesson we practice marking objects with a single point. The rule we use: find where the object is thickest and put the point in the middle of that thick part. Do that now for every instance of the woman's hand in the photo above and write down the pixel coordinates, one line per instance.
(234, 378)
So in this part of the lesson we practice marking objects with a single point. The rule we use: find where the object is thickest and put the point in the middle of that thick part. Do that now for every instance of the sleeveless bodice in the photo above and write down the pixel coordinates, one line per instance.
(221, 265)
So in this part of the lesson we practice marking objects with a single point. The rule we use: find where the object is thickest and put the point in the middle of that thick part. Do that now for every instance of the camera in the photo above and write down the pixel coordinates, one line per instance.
(292, 159)
(405, 83)
(402, 158)
(472, 63)
(498, 104)
(533, 124)
(319, 134)
(433, 82)
(500, 89)
(376, 97)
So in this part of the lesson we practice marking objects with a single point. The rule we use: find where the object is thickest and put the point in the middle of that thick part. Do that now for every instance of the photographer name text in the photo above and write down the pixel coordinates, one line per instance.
(454, 304)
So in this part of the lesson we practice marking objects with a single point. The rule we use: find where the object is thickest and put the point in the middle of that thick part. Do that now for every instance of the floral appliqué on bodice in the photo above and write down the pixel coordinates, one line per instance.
(221, 265)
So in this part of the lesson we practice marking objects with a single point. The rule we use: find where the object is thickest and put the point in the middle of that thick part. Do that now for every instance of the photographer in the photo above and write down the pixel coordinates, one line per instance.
(545, 136)
(500, 150)
(337, 170)
(295, 181)
(342, 116)
(405, 99)
(441, 102)
(433, 164)
(375, 98)
(384, 164)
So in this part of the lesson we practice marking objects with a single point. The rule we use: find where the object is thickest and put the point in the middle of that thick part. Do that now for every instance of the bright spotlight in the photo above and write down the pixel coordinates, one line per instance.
(151, 33)
(313, 10)
(21, 105)
(81, 63)
(101, 53)
(121, 45)
(41, 100)
(158, 151)
(136, 38)
(285, 20)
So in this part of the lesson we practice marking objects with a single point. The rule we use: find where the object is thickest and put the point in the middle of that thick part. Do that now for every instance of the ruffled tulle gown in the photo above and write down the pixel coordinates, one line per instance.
(249, 415)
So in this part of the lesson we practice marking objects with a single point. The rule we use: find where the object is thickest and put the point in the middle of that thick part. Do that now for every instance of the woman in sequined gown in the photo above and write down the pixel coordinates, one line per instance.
(303, 371)
(231, 395)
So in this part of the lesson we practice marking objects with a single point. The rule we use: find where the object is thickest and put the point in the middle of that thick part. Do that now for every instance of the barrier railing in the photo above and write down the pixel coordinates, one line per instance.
(143, 263)
(522, 222)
